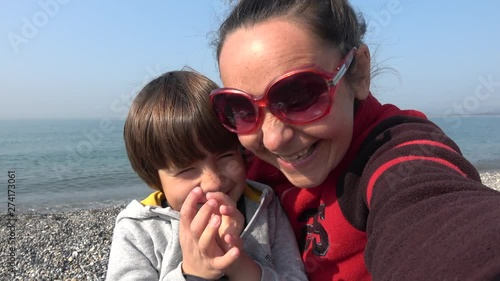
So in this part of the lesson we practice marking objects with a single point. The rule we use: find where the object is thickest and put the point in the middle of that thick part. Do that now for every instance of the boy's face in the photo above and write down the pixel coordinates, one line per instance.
(223, 172)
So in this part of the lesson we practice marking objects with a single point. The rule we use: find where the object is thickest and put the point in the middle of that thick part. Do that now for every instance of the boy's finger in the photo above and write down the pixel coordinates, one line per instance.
(221, 197)
(227, 210)
(202, 218)
(206, 243)
(188, 209)
(208, 246)
(233, 213)
(233, 240)
(223, 262)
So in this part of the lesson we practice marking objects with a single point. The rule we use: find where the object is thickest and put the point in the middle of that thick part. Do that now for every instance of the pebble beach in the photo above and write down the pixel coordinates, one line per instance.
(71, 245)
(59, 246)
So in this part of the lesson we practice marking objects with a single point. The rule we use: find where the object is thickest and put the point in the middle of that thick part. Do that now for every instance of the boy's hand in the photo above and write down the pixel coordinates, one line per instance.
(198, 230)
(232, 223)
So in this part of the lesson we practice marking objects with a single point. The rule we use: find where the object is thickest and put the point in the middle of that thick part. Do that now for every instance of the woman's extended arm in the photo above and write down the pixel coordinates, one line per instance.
(430, 218)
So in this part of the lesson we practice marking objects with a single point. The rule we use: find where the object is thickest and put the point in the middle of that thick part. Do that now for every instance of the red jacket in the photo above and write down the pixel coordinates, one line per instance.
(403, 204)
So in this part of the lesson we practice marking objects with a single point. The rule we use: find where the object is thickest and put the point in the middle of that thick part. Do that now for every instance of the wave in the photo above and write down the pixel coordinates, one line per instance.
(71, 207)
(71, 200)
(487, 165)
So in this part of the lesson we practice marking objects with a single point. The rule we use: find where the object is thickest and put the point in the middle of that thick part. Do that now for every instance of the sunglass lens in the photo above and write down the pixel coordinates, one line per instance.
(300, 98)
(236, 112)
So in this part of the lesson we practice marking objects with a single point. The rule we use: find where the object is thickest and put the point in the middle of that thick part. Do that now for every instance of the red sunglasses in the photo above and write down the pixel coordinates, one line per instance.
(297, 97)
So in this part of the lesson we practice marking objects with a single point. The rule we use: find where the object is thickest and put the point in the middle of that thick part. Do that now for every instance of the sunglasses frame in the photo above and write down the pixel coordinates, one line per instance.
(332, 80)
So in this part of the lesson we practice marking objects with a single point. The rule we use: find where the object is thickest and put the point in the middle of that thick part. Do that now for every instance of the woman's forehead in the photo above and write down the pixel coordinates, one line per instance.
(254, 56)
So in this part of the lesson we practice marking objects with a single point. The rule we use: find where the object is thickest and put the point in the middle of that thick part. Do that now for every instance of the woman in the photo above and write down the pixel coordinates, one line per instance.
(372, 191)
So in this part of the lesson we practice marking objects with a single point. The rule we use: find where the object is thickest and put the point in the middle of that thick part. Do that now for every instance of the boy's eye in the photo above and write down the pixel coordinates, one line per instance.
(183, 171)
(229, 154)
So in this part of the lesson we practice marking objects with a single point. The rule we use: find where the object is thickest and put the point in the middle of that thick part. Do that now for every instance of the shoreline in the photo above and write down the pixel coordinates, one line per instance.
(490, 178)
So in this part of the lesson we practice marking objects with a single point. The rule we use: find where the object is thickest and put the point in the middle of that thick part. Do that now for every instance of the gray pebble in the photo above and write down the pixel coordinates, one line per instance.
(59, 246)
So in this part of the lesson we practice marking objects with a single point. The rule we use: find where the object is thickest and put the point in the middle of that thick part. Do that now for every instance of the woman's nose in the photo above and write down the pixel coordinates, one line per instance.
(275, 133)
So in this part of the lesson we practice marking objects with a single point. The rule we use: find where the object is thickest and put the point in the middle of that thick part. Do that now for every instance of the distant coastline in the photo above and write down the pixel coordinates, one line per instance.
(492, 114)
(62, 119)
(429, 115)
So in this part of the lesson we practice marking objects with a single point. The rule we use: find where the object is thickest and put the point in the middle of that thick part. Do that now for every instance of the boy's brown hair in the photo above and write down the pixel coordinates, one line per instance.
(167, 119)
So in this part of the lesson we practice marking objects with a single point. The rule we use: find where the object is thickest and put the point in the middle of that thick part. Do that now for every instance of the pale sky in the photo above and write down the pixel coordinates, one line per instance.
(87, 59)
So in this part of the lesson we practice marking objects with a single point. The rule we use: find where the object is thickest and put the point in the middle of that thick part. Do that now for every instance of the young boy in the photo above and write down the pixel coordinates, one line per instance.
(205, 221)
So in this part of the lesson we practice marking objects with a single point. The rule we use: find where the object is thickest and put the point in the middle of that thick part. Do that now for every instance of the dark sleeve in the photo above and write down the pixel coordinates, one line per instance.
(429, 216)
(196, 278)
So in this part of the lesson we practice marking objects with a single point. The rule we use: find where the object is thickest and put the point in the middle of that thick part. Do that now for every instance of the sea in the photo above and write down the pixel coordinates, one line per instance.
(63, 165)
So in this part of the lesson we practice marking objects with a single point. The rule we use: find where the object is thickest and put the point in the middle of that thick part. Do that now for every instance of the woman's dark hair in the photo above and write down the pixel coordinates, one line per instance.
(334, 21)
(167, 122)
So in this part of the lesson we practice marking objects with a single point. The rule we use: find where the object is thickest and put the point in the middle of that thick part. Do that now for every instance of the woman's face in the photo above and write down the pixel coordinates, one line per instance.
(250, 59)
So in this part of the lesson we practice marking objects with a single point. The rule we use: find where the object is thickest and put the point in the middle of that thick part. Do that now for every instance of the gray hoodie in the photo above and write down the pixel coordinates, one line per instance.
(146, 241)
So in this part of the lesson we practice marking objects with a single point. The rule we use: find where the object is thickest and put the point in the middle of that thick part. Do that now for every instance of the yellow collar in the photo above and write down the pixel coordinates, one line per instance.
(155, 198)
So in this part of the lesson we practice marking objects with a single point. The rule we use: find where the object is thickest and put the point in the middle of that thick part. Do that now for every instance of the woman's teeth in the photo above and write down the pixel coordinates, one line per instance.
(297, 156)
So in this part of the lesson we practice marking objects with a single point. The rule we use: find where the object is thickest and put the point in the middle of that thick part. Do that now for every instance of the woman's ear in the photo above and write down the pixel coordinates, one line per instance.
(359, 73)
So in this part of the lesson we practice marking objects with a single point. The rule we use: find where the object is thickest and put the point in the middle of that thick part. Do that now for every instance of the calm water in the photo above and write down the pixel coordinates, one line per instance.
(64, 164)
(77, 163)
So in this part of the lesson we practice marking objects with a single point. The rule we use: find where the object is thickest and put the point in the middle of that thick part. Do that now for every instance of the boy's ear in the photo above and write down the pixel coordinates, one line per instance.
(359, 73)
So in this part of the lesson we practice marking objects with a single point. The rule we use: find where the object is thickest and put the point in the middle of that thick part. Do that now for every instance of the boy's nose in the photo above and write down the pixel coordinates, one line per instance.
(212, 181)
